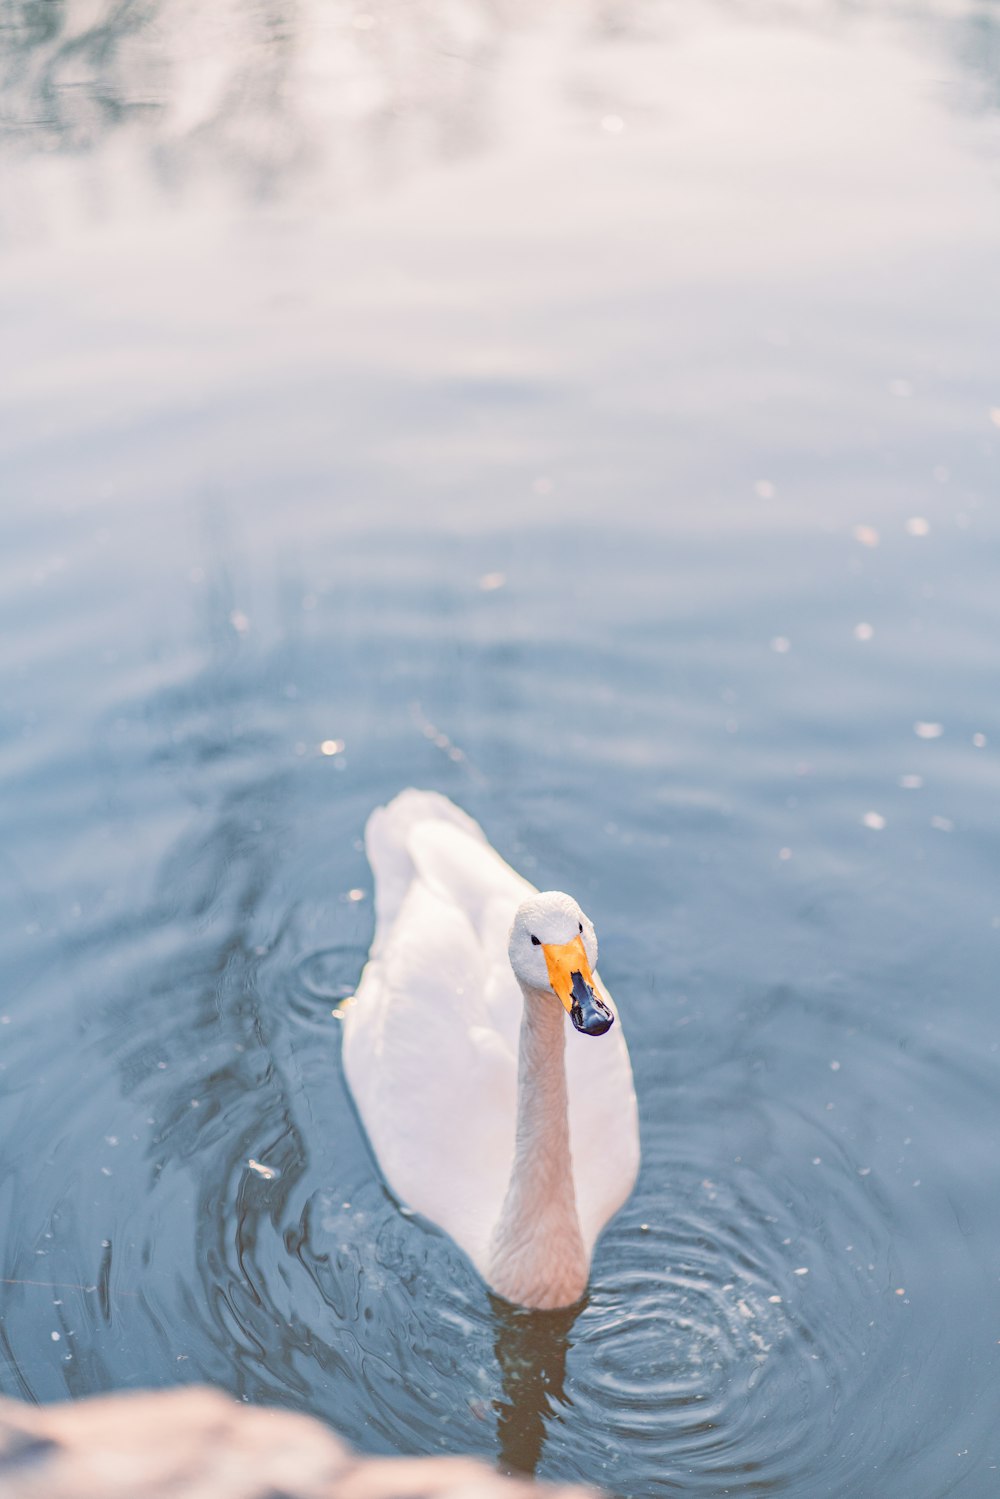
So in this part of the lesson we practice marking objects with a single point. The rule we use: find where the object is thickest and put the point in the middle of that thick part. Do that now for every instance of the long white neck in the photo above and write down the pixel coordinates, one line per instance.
(537, 1256)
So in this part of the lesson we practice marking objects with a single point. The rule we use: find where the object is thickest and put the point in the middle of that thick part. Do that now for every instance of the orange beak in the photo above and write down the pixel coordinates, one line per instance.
(562, 962)
(573, 982)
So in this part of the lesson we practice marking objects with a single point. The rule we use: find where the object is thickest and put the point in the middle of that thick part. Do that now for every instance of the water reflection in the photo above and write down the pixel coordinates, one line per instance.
(360, 93)
(531, 1350)
(261, 91)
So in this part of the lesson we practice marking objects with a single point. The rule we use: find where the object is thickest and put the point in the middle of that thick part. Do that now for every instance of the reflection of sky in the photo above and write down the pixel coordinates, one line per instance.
(781, 269)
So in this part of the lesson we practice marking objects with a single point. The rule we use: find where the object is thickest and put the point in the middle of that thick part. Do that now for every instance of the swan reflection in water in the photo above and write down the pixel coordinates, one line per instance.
(531, 1348)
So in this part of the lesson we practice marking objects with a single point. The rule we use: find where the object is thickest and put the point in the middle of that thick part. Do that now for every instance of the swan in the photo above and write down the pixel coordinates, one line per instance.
(487, 1111)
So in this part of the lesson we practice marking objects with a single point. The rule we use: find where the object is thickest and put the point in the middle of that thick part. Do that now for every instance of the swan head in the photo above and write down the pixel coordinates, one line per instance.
(553, 950)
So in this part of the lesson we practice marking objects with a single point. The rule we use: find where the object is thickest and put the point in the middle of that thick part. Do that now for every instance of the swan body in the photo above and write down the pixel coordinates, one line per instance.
(487, 1111)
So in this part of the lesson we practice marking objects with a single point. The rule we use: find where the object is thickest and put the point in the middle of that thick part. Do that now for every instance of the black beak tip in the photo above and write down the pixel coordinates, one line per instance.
(596, 1024)
(589, 1014)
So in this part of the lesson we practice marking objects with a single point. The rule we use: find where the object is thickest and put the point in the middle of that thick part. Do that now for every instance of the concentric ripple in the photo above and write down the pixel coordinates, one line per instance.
(702, 1346)
(323, 978)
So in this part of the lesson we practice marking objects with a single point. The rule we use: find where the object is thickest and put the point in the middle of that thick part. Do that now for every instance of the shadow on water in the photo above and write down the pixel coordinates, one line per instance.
(531, 1349)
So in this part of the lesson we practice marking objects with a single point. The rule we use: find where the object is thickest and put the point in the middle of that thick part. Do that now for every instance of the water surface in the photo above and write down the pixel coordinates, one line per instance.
(595, 418)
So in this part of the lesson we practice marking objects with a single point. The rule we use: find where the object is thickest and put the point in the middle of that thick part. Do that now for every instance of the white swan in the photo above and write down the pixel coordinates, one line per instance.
(486, 1112)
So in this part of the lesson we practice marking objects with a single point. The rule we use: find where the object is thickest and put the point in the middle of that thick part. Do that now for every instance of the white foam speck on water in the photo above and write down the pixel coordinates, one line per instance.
(267, 1172)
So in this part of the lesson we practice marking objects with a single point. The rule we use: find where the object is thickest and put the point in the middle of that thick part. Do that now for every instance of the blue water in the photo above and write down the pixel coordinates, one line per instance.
(596, 417)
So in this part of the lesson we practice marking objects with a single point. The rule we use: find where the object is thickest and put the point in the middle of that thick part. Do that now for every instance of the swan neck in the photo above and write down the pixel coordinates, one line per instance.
(537, 1253)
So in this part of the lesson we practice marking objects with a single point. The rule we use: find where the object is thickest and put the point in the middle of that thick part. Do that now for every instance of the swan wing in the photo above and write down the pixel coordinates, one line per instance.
(430, 1039)
(387, 844)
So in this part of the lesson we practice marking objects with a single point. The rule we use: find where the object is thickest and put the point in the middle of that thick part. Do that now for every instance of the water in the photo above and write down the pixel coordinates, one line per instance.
(595, 417)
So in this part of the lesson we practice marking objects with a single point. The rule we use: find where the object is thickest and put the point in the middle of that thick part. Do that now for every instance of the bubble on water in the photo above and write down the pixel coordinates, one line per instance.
(979, 740)
(917, 526)
(874, 820)
(911, 782)
(781, 645)
(490, 582)
(943, 824)
(764, 489)
(926, 730)
(867, 535)
(863, 630)
(239, 621)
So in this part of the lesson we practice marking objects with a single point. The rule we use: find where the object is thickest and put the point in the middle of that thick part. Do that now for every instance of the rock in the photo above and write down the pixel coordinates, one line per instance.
(195, 1443)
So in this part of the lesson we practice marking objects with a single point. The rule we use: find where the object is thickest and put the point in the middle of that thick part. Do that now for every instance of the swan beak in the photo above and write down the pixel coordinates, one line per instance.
(573, 982)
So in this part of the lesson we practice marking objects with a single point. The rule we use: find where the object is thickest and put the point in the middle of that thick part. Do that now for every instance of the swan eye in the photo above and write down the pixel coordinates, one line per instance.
(535, 942)
(581, 928)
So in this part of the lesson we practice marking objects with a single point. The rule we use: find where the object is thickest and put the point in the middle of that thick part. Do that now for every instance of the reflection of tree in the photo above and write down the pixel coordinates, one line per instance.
(258, 89)
(67, 83)
(978, 49)
(361, 88)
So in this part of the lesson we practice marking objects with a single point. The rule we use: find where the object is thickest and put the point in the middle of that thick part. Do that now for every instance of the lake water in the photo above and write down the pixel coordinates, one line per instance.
(591, 412)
